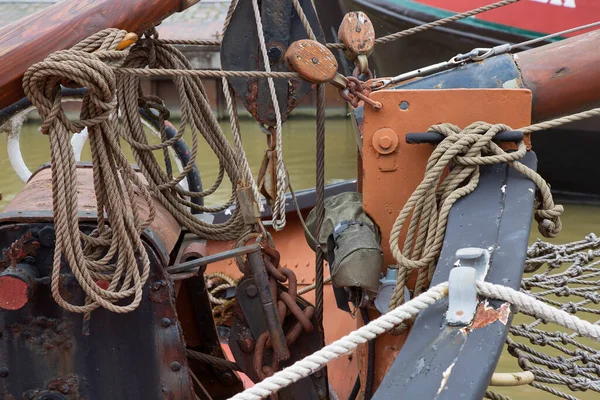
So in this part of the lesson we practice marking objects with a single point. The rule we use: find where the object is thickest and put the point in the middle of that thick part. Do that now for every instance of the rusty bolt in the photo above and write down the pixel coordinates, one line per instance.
(318, 374)
(275, 53)
(246, 344)
(166, 322)
(385, 141)
(251, 291)
(175, 366)
(3, 372)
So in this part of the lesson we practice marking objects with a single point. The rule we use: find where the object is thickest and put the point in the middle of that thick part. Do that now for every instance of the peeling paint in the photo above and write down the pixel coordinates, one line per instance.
(445, 377)
(512, 84)
(487, 315)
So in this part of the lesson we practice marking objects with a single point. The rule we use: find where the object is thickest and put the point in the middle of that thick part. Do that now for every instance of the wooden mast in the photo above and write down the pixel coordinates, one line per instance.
(64, 24)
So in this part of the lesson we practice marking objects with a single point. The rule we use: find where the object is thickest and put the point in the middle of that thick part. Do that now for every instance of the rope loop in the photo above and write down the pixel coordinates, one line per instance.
(452, 172)
(71, 67)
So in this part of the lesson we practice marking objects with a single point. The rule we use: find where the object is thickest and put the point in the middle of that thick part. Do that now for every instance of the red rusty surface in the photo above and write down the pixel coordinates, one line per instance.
(68, 386)
(386, 190)
(43, 334)
(25, 246)
(562, 76)
(36, 197)
(486, 315)
(14, 293)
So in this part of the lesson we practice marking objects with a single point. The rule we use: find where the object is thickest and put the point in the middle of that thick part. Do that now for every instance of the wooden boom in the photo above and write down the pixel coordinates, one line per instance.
(64, 24)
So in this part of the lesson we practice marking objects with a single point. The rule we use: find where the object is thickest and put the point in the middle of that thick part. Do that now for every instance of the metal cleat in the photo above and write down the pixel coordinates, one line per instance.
(471, 266)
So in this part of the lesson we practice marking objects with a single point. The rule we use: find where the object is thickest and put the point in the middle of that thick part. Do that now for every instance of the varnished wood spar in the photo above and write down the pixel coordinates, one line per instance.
(64, 24)
(564, 77)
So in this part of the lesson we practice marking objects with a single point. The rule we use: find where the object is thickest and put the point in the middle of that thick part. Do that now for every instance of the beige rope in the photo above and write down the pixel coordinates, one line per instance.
(278, 209)
(494, 396)
(198, 116)
(114, 178)
(434, 24)
(313, 286)
(208, 73)
(430, 204)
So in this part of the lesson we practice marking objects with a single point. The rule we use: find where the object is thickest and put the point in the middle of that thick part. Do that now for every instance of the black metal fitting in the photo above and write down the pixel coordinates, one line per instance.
(436, 138)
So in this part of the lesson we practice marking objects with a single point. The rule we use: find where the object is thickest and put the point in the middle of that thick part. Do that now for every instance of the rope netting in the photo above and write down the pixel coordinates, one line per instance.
(565, 276)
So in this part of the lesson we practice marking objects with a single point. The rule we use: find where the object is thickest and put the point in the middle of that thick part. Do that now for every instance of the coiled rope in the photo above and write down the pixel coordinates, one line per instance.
(115, 181)
(110, 110)
(429, 205)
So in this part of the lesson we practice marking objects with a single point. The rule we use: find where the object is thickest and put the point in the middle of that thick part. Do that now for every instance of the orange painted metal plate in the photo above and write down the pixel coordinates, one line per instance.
(300, 258)
(389, 180)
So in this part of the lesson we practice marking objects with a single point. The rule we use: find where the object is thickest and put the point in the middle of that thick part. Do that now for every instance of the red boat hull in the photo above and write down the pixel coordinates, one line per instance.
(542, 16)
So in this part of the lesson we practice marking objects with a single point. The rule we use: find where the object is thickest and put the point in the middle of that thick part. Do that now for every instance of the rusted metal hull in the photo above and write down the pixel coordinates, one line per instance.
(44, 353)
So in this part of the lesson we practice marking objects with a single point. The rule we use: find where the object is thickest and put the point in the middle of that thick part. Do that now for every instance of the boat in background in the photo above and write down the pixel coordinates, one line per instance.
(561, 155)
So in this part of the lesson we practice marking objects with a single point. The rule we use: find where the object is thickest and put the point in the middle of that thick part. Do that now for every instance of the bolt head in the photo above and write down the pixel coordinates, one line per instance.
(175, 366)
(166, 322)
(3, 372)
(251, 291)
(385, 142)
(315, 60)
(275, 53)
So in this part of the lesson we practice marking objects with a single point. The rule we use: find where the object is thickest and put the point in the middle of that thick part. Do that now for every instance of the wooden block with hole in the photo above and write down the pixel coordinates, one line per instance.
(313, 61)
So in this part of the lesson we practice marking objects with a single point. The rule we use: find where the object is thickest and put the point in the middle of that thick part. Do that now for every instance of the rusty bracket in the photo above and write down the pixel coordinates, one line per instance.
(248, 205)
(263, 288)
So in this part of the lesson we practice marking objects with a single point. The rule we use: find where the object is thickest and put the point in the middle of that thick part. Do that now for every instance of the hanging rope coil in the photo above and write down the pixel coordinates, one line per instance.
(115, 181)
(429, 206)
(110, 111)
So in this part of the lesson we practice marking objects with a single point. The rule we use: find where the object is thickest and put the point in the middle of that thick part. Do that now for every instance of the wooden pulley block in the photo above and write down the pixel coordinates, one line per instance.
(358, 35)
(313, 61)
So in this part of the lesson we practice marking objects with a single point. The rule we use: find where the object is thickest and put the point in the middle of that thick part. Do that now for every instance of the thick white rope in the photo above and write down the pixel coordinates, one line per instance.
(410, 309)
(345, 345)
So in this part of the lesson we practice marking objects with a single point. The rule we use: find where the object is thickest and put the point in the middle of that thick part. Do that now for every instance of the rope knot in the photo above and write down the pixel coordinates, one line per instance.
(548, 220)
(461, 153)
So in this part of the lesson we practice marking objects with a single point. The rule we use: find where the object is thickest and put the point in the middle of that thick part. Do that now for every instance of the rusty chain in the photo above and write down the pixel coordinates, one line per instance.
(285, 301)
